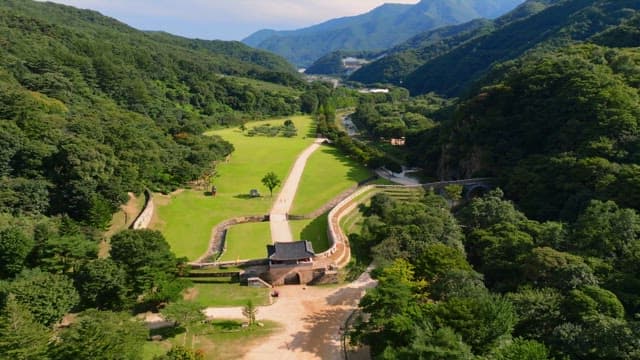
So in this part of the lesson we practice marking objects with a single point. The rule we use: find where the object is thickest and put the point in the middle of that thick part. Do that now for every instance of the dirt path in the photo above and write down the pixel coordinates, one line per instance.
(312, 318)
(280, 230)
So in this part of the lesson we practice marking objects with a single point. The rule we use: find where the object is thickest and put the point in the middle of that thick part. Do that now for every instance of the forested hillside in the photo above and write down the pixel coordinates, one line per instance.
(566, 22)
(549, 273)
(402, 60)
(377, 30)
(92, 108)
(453, 65)
(559, 128)
(485, 282)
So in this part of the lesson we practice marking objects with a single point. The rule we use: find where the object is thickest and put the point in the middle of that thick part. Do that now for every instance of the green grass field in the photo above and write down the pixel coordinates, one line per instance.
(327, 174)
(314, 230)
(247, 241)
(224, 293)
(186, 219)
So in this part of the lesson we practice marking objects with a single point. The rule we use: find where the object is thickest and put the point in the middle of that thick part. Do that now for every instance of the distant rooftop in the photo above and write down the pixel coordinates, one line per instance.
(287, 251)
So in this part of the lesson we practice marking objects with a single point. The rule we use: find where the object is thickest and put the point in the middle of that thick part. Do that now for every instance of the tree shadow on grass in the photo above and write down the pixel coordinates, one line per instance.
(168, 332)
(227, 325)
(316, 232)
(355, 173)
(313, 131)
(245, 197)
(249, 197)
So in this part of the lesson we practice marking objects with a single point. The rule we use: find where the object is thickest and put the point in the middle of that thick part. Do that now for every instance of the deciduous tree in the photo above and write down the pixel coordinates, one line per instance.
(271, 181)
(15, 246)
(47, 296)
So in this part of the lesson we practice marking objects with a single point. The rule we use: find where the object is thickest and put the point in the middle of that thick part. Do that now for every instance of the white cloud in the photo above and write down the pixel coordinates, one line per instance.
(226, 18)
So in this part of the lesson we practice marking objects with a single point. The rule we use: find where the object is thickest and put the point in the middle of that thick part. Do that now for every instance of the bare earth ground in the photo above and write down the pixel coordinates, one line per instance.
(312, 318)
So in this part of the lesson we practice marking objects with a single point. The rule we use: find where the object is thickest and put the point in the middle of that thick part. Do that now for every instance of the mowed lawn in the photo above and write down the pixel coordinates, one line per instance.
(327, 174)
(223, 294)
(247, 241)
(314, 230)
(186, 218)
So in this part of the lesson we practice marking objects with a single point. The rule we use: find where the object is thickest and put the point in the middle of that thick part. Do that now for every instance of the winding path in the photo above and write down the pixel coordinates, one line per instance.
(280, 230)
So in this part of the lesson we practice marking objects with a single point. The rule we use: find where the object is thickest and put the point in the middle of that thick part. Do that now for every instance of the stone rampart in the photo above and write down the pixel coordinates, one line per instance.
(144, 219)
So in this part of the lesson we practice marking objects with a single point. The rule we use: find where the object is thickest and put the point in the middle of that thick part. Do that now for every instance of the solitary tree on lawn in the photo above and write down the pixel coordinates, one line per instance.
(250, 311)
(271, 181)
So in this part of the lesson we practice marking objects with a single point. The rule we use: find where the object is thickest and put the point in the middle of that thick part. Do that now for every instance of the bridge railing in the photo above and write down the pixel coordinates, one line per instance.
(440, 183)
(334, 232)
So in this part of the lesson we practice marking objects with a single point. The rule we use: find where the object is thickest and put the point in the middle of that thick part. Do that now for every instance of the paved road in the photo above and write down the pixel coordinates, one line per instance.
(312, 318)
(280, 230)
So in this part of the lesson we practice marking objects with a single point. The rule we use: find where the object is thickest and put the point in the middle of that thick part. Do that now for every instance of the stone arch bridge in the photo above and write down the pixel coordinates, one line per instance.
(471, 187)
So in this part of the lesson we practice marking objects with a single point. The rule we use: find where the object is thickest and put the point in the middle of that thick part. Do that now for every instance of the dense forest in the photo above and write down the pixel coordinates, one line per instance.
(549, 273)
(486, 282)
(558, 128)
(545, 266)
(91, 109)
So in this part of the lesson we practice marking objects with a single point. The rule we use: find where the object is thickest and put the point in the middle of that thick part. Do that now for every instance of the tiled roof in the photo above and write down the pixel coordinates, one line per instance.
(290, 251)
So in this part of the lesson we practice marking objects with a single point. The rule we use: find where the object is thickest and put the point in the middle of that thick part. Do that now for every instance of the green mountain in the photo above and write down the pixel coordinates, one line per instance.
(377, 30)
(91, 108)
(557, 126)
(402, 60)
(565, 22)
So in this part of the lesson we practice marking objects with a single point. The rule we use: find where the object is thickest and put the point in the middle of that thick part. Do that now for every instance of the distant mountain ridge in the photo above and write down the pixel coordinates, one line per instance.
(377, 30)
(402, 60)
(448, 60)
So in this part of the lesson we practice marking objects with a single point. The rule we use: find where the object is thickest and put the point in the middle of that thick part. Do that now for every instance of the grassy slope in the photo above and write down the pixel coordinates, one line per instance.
(247, 241)
(314, 230)
(186, 219)
(327, 174)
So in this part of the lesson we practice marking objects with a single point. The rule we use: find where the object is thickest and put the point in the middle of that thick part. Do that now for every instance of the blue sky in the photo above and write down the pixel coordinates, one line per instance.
(225, 19)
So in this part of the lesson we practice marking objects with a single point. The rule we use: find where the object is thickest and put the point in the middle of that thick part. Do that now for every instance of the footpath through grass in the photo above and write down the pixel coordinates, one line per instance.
(186, 218)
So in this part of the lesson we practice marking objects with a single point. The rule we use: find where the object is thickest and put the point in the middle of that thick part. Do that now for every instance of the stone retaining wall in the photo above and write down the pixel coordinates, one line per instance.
(144, 219)
(246, 262)
(334, 232)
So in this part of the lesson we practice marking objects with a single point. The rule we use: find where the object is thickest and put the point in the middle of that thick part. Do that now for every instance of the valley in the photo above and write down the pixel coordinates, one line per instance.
(458, 179)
